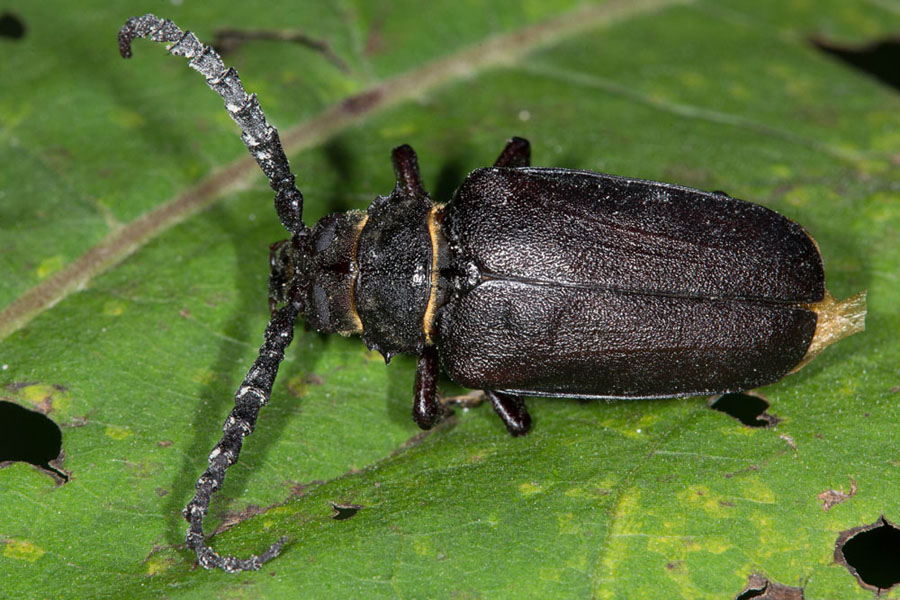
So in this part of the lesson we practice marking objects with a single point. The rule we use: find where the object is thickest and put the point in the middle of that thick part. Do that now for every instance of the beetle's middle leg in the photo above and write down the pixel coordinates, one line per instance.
(517, 153)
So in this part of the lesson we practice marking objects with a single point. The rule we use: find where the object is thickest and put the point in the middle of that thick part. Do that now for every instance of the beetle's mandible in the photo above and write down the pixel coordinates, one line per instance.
(530, 282)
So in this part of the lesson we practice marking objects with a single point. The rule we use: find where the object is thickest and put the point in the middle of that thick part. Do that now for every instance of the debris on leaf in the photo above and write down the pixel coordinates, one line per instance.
(830, 498)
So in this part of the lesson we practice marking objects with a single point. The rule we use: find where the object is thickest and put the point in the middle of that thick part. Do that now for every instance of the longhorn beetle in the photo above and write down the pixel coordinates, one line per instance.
(531, 281)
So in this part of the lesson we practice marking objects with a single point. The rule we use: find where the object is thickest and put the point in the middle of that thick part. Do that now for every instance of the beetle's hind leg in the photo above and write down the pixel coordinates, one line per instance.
(512, 411)
(517, 153)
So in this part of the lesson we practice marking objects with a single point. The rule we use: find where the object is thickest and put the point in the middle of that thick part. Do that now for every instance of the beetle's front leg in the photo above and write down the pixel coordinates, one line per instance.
(427, 408)
(517, 153)
(512, 411)
(406, 168)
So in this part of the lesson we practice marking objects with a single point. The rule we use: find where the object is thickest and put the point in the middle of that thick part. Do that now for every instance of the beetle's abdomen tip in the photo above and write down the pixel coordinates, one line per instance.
(836, 319)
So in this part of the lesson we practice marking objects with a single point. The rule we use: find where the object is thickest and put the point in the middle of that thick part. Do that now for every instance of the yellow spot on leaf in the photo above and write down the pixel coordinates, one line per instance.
(113, 308)
(155, 566)
(422, 547)
(49, 266)
(578, 562)
(529, 488)
(700, 496)
(22, 550)
(754, 489)
(117, 432)
(549, 574)
(781, 171)
(566, 524)
(204, 376)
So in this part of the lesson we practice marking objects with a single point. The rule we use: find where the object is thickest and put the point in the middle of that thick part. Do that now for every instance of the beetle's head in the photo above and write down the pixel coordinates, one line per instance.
(318, 271)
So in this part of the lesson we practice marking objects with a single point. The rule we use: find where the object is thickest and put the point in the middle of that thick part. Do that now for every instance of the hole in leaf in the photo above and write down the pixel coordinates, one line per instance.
(878, 59)
(11, 27)
(29, 436)
(343, 512)
(872, 554)
(760, 588)
(749, 409)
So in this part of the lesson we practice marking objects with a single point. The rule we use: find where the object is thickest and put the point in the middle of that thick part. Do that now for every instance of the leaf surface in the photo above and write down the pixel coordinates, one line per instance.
(134, 234)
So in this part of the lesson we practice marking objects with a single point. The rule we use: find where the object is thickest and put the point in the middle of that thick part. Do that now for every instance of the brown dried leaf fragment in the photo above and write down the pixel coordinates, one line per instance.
(830, 498)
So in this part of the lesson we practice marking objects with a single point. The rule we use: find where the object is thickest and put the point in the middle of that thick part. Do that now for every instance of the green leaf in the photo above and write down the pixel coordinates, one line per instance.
(134, 233)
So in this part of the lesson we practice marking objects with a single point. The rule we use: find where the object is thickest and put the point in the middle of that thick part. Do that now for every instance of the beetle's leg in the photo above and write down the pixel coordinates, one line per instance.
(259, 137)
(253, 394)
(517, 153)
(427, 409)
(512, 411)
(406, 168)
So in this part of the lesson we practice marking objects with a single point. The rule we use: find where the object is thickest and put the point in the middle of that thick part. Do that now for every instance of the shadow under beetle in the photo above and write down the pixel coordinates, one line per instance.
(531, 281)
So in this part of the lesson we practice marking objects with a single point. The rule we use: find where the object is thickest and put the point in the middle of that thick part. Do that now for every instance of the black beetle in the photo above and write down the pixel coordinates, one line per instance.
(531, 281)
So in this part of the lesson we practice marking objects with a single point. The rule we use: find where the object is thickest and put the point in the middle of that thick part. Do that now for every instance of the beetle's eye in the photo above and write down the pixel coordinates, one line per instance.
(325, 235)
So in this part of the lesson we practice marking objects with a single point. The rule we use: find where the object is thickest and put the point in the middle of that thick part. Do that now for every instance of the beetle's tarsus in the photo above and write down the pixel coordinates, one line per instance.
(260, 138)
(512, 411)
(516, 153)
(253, 394)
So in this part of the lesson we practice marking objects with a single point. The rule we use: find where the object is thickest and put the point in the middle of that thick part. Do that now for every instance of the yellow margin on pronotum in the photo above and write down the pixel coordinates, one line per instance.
(358, 326)
(428, 319)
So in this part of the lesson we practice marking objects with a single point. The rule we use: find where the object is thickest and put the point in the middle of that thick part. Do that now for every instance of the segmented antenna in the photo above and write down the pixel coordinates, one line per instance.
(256, 389)
(260, 138)
(253, 393)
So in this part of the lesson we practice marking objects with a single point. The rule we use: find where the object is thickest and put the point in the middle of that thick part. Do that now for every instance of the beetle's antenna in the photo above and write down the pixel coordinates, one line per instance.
(260, 138)
(252, 395)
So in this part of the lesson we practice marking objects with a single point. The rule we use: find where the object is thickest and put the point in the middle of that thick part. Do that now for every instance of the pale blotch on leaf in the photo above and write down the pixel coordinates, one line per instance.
(44, 398)
(529, 488)
(117, 432)
(550, 574)
(113, 308)
(22, 550)
(629, 428)
(753, 488)
(155, 565)
(700, 496)
(780, 171)
(476, 456)
(203, 376)
(566, 524)
(49, 266)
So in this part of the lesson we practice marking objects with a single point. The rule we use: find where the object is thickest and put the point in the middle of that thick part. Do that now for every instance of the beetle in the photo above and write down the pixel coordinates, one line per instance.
(529, 282)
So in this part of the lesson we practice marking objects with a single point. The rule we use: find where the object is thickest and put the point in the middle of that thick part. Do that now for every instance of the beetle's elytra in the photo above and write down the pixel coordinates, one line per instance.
(531, 281)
